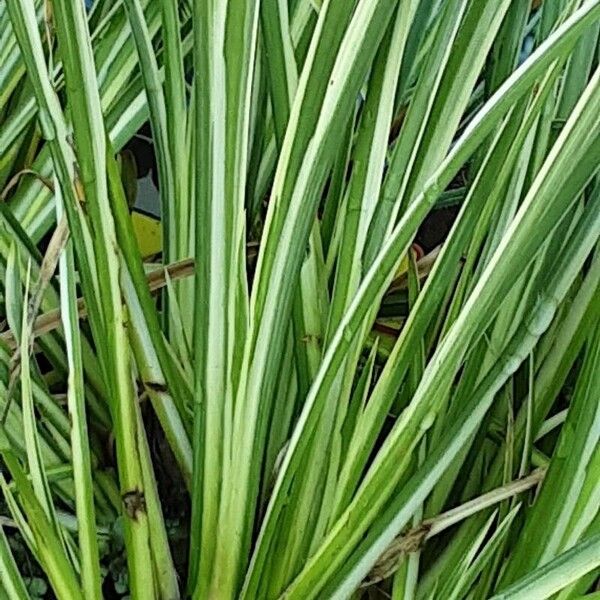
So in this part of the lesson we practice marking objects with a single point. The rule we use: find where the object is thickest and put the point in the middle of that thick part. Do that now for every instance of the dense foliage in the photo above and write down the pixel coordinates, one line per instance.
(366, 362)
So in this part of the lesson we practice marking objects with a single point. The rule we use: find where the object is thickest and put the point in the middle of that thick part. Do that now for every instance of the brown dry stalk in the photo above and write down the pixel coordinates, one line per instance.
(14, 180)
(156, 280)
(413, 540)
(179, 270)
(47, 269)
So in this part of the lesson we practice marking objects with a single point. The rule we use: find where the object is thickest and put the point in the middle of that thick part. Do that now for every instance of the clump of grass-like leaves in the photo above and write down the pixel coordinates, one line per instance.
(288, 402)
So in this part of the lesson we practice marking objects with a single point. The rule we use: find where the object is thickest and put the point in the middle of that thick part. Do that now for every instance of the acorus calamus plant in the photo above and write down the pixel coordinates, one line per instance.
(288, 400)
